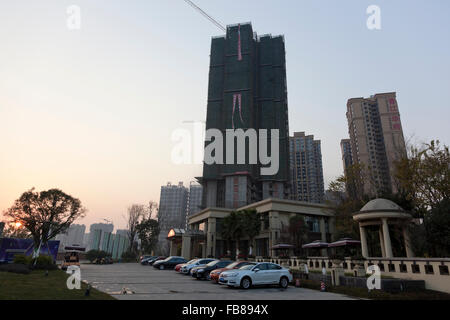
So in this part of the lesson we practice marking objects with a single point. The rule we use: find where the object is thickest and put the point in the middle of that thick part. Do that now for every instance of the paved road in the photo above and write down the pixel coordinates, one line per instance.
(147, 283)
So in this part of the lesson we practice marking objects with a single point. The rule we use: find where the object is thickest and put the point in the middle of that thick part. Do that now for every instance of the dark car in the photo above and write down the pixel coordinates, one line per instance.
(186, 269)
(169, 263)
(202, 272)
(146, 259)
(152, 261)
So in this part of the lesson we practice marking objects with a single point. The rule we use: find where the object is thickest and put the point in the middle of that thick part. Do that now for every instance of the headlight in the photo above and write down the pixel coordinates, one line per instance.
(233, 274)
(200, 270)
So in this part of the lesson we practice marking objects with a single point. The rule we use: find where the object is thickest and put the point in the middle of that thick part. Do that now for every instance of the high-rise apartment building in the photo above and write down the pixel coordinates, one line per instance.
(306, 168)
(74, 236)
(347, 162)
(247, 90)
(172, 211)
(97, 232)
(195, 196)
(346, 150)
(376, 138)
(101, 237)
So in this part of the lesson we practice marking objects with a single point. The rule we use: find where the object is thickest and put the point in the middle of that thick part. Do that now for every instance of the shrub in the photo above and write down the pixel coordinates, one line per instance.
(22, 259)
(129, 257)
(15, 268)
(44, 262)
(91, 255)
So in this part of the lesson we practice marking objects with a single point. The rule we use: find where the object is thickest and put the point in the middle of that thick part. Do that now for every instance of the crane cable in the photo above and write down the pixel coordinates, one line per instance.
(215, 22)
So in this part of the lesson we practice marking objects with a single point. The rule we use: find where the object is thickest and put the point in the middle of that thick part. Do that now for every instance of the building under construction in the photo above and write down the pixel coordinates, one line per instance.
(247, 90)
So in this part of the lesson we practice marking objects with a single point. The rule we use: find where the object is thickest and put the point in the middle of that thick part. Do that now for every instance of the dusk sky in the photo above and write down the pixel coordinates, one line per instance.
(92, 111)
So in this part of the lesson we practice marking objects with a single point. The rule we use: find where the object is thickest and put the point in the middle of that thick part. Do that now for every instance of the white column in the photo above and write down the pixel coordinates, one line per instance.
(387, 239)
(324, 235)
(383, 248)
(409, 252)
(364, 248)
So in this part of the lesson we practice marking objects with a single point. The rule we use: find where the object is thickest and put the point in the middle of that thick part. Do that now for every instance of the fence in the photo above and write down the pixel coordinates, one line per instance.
(434, 271)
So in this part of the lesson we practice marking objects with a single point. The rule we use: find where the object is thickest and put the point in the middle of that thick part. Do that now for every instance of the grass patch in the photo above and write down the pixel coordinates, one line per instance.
(37, 286)
(378, 294)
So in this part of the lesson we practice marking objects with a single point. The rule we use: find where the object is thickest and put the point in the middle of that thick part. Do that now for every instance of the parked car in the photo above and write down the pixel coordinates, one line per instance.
(259, 274)
(152, 261)
(235, 265)
(199, 262)
(202, 272)
(106, 260)
(146, 259)
(169, 263)
(179, 266)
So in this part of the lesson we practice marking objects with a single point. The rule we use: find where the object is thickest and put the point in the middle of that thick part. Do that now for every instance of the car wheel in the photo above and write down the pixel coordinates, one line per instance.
(284, 282)
(161, 267)
(246, 283)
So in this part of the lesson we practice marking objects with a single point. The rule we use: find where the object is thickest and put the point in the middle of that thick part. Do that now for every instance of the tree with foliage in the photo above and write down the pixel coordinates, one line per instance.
(141, 225)
(148, 232)
(13, 230)
(424, 177)
(232, 229)
(251, 221)
(298, 231)
(45, 214)
(437, 227)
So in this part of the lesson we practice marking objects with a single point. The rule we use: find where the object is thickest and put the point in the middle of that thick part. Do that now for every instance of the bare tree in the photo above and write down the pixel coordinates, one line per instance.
(152, 210)
(135, 214)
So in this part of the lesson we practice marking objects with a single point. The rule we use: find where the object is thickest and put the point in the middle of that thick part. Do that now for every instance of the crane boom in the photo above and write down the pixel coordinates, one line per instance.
(207, 16)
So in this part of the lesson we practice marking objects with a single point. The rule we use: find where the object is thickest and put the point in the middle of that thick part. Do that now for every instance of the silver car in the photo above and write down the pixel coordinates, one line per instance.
(187, 268)
(263, 273)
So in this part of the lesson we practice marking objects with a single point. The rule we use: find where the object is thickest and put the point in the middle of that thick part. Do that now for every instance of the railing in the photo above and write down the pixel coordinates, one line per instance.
(434, 271)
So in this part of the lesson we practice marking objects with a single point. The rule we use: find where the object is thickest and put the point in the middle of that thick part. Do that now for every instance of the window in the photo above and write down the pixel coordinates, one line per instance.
(391, 267)
(403, 268)
(274, 267)
(443, 270)
(429, 269)
(415, 268)
(263, 266)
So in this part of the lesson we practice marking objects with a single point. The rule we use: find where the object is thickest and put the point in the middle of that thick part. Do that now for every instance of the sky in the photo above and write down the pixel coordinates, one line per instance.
(92, 111)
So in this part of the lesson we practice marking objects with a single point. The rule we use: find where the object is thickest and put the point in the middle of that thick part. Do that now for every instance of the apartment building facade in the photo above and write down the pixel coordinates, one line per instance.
(376, 140)
(306, 168)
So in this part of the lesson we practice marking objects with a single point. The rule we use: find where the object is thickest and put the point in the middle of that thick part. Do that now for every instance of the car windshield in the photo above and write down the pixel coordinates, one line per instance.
(233, 265)
(192, 261)
(213, 263)
(247, 267)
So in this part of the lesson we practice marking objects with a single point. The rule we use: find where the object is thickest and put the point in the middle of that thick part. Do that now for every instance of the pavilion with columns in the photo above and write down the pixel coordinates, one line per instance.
(382, 213)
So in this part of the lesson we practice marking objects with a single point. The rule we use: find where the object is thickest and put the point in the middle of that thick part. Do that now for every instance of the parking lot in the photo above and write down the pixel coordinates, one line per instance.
(147, 283)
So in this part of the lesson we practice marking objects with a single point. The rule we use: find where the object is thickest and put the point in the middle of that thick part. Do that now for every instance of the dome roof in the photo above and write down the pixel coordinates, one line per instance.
(381, 204)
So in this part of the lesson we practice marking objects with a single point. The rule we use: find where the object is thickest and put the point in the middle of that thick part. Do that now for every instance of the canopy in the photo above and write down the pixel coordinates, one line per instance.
(315, 244)
(345, 242)
(282, 246)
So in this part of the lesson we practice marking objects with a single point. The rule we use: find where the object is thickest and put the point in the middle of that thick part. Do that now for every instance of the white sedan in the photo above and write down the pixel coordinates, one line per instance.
(263, 273)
